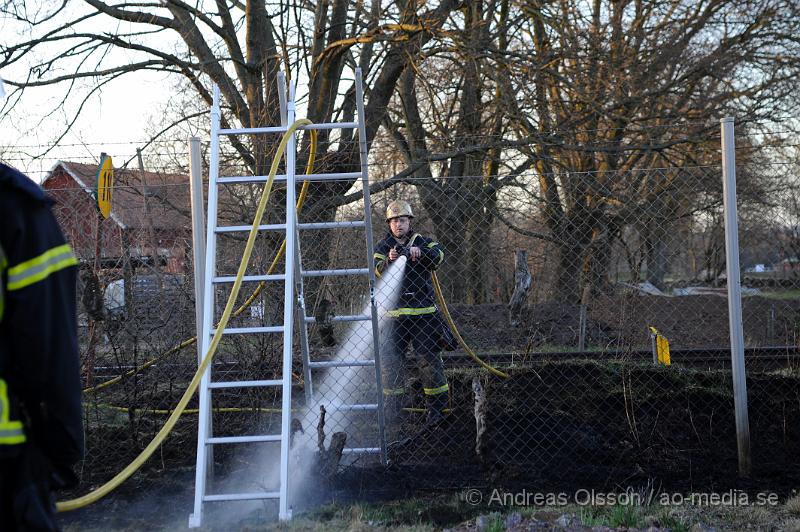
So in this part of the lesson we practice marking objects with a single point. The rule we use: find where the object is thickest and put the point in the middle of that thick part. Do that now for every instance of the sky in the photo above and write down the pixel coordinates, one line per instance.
(115, 121)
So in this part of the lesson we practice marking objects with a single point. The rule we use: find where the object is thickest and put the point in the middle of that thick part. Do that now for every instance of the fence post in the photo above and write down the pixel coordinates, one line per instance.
(582, 317)
(198, 235)
(199, 258)
(735, 295)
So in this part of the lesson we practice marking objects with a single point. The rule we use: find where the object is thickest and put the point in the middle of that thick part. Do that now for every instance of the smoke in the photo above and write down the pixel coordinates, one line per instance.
(335, 389)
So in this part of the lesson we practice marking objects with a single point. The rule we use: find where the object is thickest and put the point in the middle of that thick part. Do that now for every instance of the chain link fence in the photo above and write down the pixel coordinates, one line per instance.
(559, 280)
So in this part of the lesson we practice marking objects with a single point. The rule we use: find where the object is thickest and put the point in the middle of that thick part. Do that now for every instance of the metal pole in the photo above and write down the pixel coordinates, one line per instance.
(376, 338)
(654, 346)
(199, 258)
(147, 218)
(198, 236)
(284, 512)
(203, 427)
(587, 293)
(735, 295)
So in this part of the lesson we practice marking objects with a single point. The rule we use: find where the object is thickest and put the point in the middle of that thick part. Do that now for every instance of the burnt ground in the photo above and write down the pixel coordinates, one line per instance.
(604, 425)
(556, 424)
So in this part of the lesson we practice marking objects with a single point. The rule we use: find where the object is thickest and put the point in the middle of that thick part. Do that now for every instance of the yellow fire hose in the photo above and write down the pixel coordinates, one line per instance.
(120, 477)
(440, 298)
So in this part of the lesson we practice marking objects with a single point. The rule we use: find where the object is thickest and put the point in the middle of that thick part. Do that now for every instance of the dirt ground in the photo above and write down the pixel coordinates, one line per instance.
(620, 323)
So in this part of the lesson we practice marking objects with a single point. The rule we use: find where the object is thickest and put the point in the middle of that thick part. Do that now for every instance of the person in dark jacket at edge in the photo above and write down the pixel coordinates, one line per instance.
(41, 432)
(416, 322)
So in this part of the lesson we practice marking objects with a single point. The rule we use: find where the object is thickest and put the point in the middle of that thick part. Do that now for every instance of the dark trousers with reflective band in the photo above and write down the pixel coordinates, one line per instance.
(422, 333)
(27, 502)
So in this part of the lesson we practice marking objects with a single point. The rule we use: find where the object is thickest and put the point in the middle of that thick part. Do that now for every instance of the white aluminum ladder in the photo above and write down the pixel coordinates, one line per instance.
(293, 301)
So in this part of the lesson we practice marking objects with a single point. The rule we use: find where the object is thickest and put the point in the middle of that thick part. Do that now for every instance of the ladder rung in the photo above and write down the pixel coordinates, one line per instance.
(283, 129)
(246, 278)
(250, 130)
(242, 496)
(332, 225)
(251, 330)
(361, 450)
(282, 227)
(356, 317)
(352, 408)
(238, 179)
(333, 176)
(244, 384)
(344, 271)
(340, 364)
(246, 228)
(331, 125)
(243, 439)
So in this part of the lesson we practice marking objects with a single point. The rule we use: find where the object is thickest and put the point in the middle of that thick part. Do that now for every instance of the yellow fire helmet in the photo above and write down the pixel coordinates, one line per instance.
(398, 208)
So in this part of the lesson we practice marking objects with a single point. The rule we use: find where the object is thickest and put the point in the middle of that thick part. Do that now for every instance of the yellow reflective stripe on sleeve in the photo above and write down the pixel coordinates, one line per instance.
(440, 259)
(38, 268)
(4, 406)
(11, 432)
(411, 311)
(378, 257)
(436, 391)
(394, 391)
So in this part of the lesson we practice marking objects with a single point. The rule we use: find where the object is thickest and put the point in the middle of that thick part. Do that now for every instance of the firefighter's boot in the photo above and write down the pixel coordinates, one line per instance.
(436, 405)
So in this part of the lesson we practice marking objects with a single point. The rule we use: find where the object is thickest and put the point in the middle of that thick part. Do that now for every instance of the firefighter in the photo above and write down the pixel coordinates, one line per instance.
(416, 322)
(41, 433)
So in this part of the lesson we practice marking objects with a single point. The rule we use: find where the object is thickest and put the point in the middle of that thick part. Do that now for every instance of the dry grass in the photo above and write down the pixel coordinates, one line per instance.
(791, 525)
(792, 506)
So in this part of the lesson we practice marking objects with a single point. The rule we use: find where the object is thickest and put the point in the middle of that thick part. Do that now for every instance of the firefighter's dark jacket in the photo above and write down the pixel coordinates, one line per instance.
(416, 295)
(39, 367)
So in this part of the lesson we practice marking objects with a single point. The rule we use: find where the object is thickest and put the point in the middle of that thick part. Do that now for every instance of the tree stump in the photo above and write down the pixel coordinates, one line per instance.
(522, 286)
(329, 458)
(481, 429)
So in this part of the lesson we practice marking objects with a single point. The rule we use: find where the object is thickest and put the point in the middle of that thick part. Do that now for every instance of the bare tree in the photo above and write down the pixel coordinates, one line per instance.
(606, 80)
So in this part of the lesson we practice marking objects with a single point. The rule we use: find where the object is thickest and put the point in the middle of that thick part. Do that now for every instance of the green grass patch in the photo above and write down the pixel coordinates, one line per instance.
(783, 294)
(440, 511)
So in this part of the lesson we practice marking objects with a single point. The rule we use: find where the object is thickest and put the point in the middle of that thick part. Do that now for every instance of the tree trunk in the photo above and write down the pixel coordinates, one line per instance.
(522, 287)
(479, 254)
(568, 280)
(657, 262)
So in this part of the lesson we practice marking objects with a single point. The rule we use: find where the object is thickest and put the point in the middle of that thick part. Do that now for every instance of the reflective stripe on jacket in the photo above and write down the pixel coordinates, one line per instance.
(11, 431)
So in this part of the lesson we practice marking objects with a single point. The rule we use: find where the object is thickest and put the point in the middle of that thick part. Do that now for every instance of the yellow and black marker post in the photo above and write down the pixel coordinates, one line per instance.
(660, 347)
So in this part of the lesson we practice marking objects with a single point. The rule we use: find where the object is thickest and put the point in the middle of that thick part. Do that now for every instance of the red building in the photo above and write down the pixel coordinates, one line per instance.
(149, 225)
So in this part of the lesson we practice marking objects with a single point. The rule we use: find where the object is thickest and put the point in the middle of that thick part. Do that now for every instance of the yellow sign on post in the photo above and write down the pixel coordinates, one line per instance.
(104, 186)
(660, 347)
